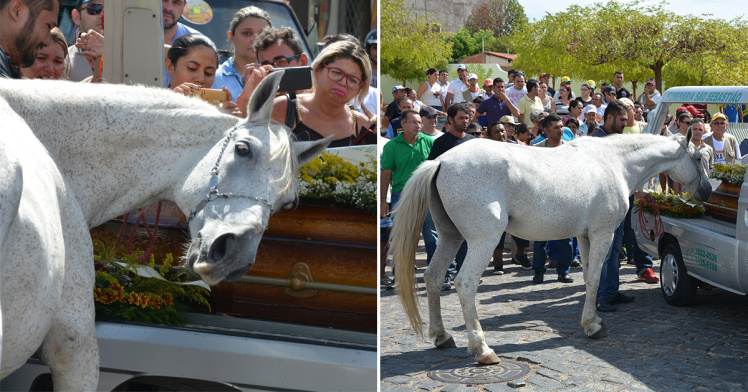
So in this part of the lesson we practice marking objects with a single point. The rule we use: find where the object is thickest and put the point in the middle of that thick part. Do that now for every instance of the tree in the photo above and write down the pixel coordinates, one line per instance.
(466, 44)
(498, 16)
(410, 44)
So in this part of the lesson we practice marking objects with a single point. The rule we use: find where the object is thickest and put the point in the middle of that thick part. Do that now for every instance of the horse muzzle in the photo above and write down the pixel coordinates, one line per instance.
(227, 257)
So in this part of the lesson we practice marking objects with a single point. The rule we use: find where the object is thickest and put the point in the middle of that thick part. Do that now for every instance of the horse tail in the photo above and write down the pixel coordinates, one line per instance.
(408, 217)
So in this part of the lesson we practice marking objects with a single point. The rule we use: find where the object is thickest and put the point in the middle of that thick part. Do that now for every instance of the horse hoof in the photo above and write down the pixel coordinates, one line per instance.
(489, 359)
(601, 333)
(449, 343)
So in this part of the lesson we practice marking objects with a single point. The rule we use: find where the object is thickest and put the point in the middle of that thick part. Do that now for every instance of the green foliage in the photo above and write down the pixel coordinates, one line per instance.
(639, 39)
(120, 293)
(464, 43)
(500, 17)
(676, 206)
(331, 178)
(410, 44)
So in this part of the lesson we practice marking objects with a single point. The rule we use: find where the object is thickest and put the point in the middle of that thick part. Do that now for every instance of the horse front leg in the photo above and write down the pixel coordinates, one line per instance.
(434, 278)
(466, 283)
(596, 250)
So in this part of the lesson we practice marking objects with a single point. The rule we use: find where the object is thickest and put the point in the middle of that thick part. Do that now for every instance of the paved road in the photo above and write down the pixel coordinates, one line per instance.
(651, 346)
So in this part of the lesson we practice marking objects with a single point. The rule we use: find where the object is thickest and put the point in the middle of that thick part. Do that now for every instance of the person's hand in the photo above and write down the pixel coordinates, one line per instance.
(501, 96)
(229, 106)
(91, 45)
(248, 71)
(254, 79)
(186, 88)
(384, 209)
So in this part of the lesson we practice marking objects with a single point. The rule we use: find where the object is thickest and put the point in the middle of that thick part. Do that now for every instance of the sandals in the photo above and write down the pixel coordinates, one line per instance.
(386, 282)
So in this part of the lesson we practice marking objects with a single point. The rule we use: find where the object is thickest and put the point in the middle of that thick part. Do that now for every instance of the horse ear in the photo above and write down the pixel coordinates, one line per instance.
(261, 103)
(306, 151)
(689, 135)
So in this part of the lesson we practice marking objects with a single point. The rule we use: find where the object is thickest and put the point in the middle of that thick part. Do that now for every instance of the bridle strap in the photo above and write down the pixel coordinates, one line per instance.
(214, 193)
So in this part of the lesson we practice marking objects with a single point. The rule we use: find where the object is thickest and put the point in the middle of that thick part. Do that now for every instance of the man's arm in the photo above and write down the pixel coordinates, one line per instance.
(384, 184)
(447, 101)
(512, 109)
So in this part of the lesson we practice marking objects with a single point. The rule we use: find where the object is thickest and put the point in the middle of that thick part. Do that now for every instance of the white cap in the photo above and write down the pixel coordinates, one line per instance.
(588, 109)
(472, 76)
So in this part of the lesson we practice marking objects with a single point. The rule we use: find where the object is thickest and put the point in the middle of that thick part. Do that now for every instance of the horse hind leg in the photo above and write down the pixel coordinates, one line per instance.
(596, 251)
(478, 257)
(434, 278)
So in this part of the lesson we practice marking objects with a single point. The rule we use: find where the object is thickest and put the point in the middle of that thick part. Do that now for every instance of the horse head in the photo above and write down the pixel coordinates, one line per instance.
(246, 177)
(690, 172)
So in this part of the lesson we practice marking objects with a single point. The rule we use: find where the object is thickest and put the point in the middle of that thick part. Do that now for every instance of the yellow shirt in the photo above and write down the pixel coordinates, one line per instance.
(526, 106)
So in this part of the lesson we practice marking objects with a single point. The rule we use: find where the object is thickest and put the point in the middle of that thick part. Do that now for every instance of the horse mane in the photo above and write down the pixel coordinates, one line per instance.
(284, 149)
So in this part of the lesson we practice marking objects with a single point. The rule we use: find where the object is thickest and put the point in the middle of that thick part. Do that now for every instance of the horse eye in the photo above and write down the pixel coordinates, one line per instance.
(242, 149)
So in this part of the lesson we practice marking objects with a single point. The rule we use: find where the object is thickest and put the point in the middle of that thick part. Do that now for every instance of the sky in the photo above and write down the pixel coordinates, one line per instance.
(536, 9)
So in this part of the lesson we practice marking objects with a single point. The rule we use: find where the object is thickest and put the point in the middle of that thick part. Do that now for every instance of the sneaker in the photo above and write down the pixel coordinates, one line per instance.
(498, 271)
(538, 278)
(603, 306)
(447, 284)
(576, 263)
(622, 299)
(622, 255)
(648, 276)
(522, 260)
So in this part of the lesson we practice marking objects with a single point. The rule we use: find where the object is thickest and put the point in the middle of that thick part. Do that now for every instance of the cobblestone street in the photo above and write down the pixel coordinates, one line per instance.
(651, 346)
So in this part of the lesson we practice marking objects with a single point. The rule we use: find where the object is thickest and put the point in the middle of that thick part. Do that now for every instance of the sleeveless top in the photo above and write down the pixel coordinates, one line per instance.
(305, 134)
(432, 95)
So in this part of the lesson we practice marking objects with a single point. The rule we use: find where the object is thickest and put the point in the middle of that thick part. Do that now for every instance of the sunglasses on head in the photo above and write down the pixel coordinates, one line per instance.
(94, 9)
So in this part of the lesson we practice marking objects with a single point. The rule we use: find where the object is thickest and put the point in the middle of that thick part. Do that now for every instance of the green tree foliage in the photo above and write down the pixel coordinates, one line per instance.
(410, 44)
(500, 17)
(466, 44)
(641, 40)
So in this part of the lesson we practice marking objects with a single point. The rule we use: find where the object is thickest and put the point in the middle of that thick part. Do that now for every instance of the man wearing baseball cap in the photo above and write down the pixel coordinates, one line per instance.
(650, 97)
(393, 109)
(428, 117)
(488, 88)
(88, 16)
(455, 89)
(725, 145)
(589, 125)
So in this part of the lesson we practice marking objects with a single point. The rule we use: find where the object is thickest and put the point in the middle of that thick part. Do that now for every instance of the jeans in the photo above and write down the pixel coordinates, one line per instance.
(521, 243)
(565, 256)
(641, 258)
(609, 280)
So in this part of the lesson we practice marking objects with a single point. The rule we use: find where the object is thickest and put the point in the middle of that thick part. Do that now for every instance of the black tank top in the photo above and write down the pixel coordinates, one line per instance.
(305, 134)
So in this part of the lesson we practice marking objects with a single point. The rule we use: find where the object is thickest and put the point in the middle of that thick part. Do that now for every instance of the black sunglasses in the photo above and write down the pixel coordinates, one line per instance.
(94, 9)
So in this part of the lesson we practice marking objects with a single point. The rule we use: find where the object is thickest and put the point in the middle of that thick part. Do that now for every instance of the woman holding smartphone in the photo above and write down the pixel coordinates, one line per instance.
(341, 73)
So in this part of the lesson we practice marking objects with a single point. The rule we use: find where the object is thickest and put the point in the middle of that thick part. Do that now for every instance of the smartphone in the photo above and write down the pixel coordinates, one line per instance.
(296, 78)
(212, 96)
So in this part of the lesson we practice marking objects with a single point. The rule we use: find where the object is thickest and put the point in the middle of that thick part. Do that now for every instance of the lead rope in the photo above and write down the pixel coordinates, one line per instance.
(658, 229)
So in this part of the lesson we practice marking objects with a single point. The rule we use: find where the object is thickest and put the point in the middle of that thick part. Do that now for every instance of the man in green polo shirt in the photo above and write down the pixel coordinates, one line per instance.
(400, 158)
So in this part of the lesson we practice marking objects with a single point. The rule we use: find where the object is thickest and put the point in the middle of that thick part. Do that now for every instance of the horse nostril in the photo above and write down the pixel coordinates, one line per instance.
(221, 246)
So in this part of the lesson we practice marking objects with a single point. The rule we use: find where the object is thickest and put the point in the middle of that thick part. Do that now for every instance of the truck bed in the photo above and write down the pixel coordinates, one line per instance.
(229, 353)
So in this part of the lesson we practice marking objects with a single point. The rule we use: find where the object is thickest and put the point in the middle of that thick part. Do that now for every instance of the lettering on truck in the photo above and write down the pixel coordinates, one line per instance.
(702, 258)
(705, 96)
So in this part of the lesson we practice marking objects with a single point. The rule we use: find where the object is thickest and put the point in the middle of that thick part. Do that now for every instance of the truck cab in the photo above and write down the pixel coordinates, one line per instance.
(704, 252)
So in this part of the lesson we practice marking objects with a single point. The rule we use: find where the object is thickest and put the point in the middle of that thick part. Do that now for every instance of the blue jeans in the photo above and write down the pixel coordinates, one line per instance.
(609, 278)
(565, 256)
(641, 258)
(521, 243)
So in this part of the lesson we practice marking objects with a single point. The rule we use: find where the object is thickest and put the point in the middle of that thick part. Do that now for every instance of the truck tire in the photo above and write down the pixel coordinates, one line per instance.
(678, 288)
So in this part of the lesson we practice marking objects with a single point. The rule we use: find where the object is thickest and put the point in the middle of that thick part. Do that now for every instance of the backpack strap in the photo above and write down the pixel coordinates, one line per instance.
(291, 113)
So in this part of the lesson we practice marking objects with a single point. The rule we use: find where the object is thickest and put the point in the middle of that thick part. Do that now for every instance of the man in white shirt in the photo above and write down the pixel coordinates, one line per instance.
(518, 90)
(455, 89)
(650, 98)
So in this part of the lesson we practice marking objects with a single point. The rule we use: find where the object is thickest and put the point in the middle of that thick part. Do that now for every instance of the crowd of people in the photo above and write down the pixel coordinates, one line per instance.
(341, 102)
(529, 112)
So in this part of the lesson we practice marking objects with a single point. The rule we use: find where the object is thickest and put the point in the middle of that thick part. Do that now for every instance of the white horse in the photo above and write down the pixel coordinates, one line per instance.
(122, 147)
(46, 263)
(482, 188)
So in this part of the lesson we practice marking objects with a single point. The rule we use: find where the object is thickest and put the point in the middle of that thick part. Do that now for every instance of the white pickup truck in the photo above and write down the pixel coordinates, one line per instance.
(703, 252)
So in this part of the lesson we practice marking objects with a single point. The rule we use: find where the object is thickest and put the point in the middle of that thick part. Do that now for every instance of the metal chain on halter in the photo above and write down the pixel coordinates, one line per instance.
(214, 193)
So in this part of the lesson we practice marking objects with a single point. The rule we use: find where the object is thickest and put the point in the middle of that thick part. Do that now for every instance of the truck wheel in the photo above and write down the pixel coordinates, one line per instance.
(678, 288)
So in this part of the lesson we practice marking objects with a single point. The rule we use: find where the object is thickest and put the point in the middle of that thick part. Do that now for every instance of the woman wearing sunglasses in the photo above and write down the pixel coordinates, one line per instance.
(341, 74)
